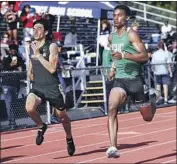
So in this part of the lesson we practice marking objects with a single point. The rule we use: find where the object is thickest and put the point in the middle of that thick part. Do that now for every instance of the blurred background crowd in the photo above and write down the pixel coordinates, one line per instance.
(17, 32)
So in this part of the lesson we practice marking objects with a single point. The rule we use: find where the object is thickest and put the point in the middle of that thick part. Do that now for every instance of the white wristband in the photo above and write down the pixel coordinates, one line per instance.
(112, 69)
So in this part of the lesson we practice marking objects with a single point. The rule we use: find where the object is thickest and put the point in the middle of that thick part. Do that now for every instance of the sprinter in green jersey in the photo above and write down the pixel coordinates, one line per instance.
(128, 54)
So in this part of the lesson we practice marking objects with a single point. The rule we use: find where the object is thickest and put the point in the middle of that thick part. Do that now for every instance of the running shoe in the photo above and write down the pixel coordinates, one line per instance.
(40, 134)
(70, 146)
(112, 152)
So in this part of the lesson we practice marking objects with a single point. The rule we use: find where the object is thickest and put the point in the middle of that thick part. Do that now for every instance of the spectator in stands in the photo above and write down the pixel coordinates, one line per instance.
(162, 70)
(4, 7)
(17, 6)
(166, 30)
(71, 37)
(103, 42)
(135, 26)
(4, 45)
(13, 61)
(170, 42)
(24, 48)
(146, 69)
(173, 88)
(27, 17)
(9, 94)
(57, 37)
(11, 20)
(174, 82)
(11, 81)
(72, 20)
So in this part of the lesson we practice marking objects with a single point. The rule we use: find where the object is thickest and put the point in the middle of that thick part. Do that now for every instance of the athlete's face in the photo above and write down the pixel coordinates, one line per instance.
(120, 18)
(39, 32)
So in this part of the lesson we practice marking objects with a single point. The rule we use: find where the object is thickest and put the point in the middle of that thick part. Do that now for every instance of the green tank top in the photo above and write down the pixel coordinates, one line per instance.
(124, 68)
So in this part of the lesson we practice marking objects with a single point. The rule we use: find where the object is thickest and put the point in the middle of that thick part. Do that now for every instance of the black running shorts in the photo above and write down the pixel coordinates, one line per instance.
(134, 88)
(12, 26)
(51, 94)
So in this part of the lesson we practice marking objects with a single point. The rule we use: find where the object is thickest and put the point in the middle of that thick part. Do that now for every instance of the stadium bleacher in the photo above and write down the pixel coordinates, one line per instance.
(86, 35)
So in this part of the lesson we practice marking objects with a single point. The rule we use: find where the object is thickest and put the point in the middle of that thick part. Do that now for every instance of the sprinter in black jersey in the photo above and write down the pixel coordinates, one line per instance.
(43, 72)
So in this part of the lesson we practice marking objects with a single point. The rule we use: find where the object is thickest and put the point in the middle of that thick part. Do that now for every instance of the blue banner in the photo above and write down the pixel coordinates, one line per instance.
(77, 9)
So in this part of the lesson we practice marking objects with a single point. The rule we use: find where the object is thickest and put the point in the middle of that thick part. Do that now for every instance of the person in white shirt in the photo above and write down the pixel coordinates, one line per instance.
(166, 29)
(71, 37)
(162, 70)
(104, 43)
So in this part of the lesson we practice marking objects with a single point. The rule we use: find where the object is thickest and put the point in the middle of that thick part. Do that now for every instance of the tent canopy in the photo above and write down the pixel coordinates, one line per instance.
(78, 9)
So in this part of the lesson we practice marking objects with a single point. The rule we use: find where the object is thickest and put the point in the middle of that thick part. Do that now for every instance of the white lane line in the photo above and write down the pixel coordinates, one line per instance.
(125, 152)
(82, 127)
(74, 123)
(89, 145)
(173, 160)
(96, 133)
(172, 112)
(167, 116)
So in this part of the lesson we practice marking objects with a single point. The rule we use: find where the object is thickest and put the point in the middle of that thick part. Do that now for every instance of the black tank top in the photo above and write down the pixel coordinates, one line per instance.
(42, 76)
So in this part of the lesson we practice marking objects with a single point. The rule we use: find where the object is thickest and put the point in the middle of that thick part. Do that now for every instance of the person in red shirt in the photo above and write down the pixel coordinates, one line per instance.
(17, 6)
(27, 17)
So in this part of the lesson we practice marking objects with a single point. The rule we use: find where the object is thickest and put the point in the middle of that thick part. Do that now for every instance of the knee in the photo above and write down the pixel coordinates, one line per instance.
(29, 108)
(112, 110)
(63, 117)
(61, 114)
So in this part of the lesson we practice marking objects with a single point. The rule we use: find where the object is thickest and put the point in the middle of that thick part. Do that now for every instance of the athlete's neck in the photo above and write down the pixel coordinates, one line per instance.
(40, 42)
(121, 30)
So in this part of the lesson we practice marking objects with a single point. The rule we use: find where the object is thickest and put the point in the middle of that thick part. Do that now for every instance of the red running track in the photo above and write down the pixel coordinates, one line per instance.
(139, 141)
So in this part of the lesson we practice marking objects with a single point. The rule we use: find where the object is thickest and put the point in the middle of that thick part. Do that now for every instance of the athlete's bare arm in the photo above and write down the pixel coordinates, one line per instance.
(142, 56)
(29, 71)
(50, 65)
(113, 68)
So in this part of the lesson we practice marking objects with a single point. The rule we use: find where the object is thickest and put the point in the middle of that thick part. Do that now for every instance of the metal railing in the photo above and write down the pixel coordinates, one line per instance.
(148, 75)
(13, 91)
(152, 14)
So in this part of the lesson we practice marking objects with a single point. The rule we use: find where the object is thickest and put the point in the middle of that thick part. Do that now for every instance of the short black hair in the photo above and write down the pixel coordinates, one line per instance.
(13, 47)
(42, 21)
(125, 8)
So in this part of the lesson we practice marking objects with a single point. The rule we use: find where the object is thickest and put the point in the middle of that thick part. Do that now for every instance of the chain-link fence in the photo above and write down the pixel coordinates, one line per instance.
(162, 78)
(157, 81)
(13, 92)
(93, 94)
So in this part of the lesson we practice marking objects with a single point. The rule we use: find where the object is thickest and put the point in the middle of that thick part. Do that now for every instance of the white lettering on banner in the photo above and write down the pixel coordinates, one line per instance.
(40, 9)
(62, 11)
(57, 10)
(79, 12)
